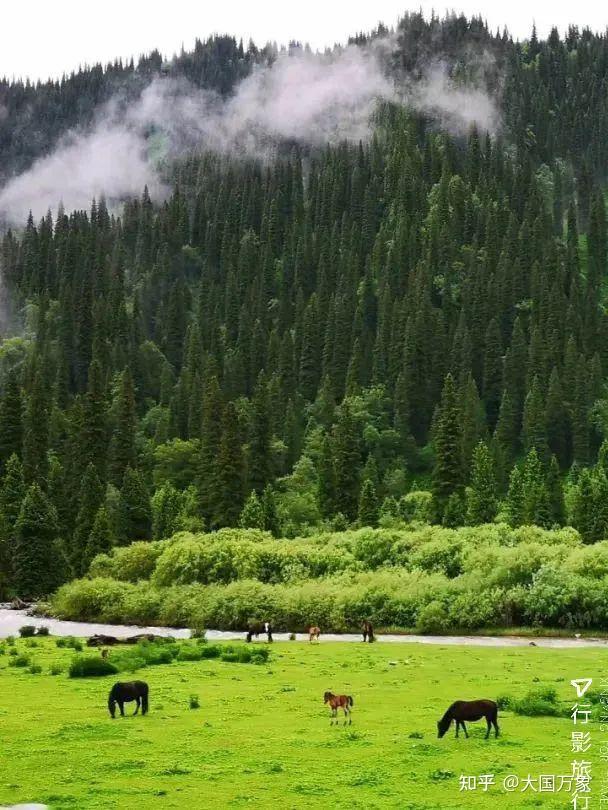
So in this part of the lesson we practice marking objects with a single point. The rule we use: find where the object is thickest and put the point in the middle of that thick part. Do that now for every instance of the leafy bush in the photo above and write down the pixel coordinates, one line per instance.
(244, 655)
(540, 702)
(27, 631)
(55, 670)
(188, 652)
(87, 666)
(71, 642)
(128, 659)
(432, 618)
(19, 661)
(128, 563)
(43, 631)
(194, 702)
(210, 651)
(35, 669)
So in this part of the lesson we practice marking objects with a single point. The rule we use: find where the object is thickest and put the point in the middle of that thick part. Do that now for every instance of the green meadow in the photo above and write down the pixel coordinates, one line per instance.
(261, 736)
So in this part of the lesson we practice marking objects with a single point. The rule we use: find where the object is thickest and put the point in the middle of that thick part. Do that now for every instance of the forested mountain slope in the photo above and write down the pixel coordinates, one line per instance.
(320, 340)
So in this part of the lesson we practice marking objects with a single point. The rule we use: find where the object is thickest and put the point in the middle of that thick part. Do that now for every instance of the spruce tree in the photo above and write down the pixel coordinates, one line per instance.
(448, 475)
(94, 444)
(260, 458)
(91, 498)
(11, 420)
(136, 513)
(123, 454)
(346, 455)
(12, 493)
(38, 566)
(516, 497)
(210, 439)
(229, 487)
(252, 514)
(482, 503)
(36, 431)
(368, 505)
(326, 472)
(534, 430)
(101, 538)
(166, 505)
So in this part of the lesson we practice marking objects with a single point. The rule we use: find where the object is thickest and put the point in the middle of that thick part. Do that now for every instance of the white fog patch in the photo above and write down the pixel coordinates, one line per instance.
(309, 97)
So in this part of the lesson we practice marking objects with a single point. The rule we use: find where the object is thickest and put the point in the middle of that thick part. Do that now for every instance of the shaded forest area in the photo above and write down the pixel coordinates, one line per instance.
(411, 328)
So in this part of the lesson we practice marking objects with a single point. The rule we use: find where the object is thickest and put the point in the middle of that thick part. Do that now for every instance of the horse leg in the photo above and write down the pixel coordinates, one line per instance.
(464, 728)
(137, 705)
(457, 728)
(495, 724)
(489, 725)
(121, 706)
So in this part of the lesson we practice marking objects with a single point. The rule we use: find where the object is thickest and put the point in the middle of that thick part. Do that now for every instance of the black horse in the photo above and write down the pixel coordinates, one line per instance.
(367, 629)
(469, 710)
(122, 693)
(254, 628)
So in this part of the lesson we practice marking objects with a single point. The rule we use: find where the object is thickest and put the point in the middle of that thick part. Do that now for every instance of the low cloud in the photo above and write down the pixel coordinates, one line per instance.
(310, 98)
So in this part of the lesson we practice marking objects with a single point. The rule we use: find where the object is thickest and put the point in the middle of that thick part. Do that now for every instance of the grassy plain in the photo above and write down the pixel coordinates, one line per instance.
(262, 737)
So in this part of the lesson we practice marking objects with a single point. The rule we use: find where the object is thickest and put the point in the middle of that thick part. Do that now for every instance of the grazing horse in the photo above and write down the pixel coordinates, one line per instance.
(254, 628)
(336, 702)
(122, 693)
(314, 633)
(469, 710)
(368, 631)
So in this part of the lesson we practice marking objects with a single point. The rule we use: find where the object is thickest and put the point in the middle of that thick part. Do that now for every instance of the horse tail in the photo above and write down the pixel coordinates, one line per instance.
(350, 701)
(144, 700)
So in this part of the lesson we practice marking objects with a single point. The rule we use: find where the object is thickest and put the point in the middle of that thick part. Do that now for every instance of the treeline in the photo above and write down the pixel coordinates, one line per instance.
(310, 344)
(422, 578)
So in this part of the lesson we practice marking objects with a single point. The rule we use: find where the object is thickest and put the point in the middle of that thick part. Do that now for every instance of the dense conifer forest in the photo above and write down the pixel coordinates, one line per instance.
(410, 328)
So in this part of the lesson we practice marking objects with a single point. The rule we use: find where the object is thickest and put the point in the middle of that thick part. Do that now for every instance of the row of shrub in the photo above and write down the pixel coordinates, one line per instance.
(418, 577)
(222, 558)
(238, 554)
(551, 596)
(130, 659)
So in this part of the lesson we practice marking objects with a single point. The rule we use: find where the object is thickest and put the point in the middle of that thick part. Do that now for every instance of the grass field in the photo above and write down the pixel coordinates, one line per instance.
(262, 736)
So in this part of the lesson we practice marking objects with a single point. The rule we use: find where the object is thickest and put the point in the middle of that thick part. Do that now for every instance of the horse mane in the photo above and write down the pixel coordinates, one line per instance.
(448, 714)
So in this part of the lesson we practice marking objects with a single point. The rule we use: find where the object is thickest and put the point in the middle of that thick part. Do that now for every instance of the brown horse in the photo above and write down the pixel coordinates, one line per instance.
(368, 631)
(313, 633)
(344, 702)
(469, 710)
